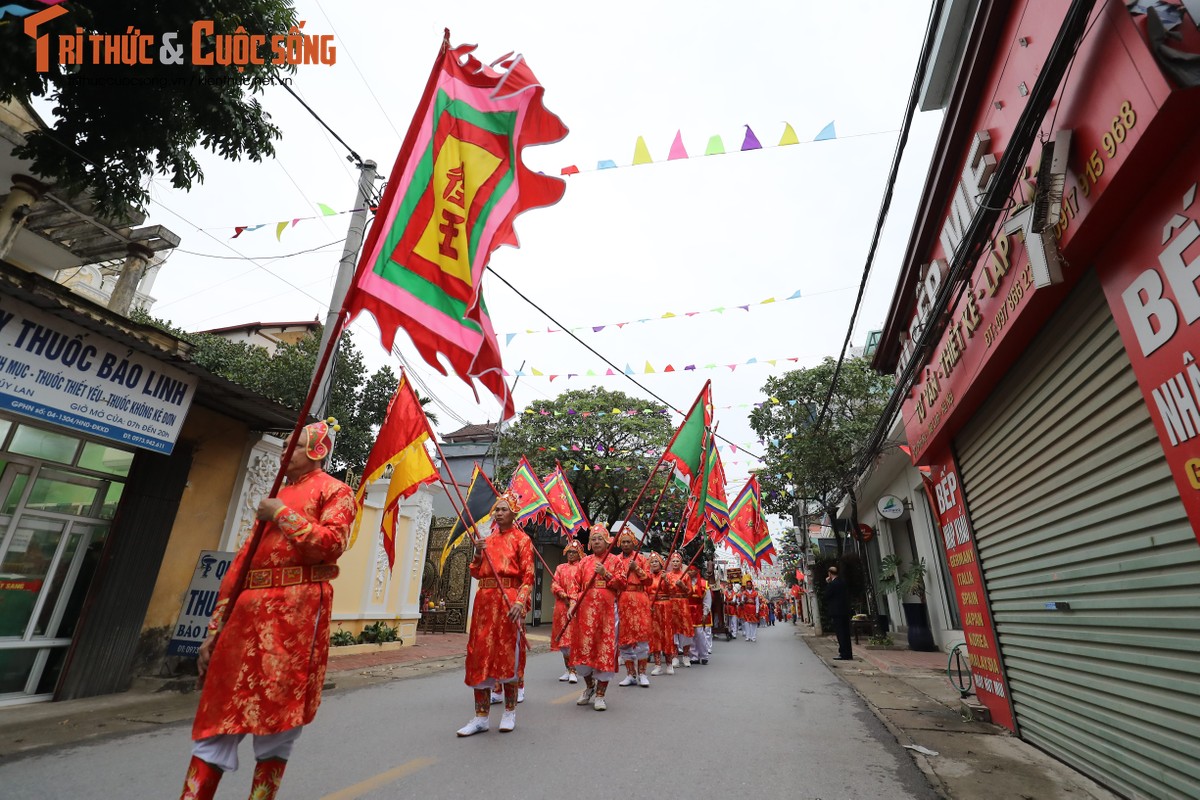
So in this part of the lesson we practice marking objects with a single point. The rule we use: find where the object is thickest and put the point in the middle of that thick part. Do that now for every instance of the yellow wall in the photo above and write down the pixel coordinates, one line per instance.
(219, 446)
(359, 597)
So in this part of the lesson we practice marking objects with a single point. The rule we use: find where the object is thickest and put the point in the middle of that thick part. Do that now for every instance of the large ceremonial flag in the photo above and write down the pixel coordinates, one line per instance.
(764, 552)
(566, 512)
(747, 526)
(452, 196)
(529, 492)
(686, 449)
(399, 445)
(476, 518)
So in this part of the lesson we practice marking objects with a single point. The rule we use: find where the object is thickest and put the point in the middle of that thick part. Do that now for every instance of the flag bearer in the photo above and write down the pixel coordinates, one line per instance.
(633, 612)
(565, 587)
(662, 639)
(263, 663)
(503, 565)
(748, 610)
(594, 638)
(700, 603)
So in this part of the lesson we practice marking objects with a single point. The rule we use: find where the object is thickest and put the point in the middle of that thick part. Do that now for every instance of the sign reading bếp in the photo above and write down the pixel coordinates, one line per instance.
(57, 372)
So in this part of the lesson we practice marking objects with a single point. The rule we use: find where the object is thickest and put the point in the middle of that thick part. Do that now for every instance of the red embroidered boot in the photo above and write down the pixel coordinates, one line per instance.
(201, 781)
(267, 775)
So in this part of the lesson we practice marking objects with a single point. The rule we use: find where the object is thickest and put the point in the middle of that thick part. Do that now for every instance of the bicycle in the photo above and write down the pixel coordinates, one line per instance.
(958, 669)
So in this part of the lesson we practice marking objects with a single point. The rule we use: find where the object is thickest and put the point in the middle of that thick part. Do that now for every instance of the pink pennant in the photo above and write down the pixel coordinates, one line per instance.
(677, 149)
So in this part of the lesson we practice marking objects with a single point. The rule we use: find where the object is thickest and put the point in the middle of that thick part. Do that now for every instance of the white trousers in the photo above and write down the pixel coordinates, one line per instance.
(635, 652)
(751, 629)
(682, 641)
(702, 642)
(221, 750)
(732, 623)
(583, 672)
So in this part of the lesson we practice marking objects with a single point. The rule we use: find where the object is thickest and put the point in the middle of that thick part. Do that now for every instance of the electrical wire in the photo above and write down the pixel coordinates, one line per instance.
(596, 353)
(354, 156)
(316, 249)
(914, 94)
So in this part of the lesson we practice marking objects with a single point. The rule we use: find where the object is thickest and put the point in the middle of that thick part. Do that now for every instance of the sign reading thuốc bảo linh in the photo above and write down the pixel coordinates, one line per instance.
(57, 372)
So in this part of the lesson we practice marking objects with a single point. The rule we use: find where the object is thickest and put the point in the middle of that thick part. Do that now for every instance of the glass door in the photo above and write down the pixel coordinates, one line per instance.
(49, 546)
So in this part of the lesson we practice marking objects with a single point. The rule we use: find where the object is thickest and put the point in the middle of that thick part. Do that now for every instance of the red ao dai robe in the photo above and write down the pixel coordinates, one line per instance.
(662, 639)
(676, 586)
(269, 662)
(634, 603)
(566, 587)
(594, 638)
(496, 646)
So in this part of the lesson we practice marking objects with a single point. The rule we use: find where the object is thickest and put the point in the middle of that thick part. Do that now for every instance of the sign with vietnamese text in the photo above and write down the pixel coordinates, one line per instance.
(987, 674)
(198, 603)
(57, 372)
(1153, 289)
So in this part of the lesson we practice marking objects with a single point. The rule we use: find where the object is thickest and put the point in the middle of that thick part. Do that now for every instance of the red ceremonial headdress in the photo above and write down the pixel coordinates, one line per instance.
(512, 500)
(626, 533)
(318, 438)
(599, 528)
(575, 545)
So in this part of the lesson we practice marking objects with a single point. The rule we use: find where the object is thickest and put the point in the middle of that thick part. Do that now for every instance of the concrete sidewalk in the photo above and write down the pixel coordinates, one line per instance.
(911, 695)
(155, 702)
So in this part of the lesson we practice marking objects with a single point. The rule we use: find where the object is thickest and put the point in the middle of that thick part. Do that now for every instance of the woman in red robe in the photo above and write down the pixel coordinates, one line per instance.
(503, 565)
(263, 663)
(678, 588)
(594, 640)
(662, 641)
(565, 587)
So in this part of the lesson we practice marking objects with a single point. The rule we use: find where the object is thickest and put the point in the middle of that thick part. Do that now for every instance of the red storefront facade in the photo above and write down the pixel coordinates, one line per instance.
(1056, 400)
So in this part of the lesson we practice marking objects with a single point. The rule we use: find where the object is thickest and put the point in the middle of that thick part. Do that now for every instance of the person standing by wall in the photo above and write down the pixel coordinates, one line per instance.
(837, 603)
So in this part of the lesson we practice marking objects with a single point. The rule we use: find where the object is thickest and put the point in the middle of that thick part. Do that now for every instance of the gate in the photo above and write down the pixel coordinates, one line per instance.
(453, 586)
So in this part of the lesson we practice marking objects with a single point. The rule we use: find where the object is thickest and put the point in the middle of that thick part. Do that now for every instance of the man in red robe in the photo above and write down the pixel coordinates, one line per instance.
(633, 612)
(263, 663)
(566, 587)
(594, 640)
(503, 565)
(700, 603)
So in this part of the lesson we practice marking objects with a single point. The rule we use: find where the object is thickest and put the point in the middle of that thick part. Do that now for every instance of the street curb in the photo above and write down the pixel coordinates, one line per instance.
(902, 738)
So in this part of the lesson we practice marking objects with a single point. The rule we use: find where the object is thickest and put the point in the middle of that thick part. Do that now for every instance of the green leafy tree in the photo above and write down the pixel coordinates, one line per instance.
(817, 462)
(625, 447)
(358, 401)
(116, 125)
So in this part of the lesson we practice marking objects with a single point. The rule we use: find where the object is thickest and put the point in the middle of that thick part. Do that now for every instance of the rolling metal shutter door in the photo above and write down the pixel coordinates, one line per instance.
(1071, 501)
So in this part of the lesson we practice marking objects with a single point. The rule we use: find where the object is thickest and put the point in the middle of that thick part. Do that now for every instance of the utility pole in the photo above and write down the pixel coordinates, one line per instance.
(354, 239)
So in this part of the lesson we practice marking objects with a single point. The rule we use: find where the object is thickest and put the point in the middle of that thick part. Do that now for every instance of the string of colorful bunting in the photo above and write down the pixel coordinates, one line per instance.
(665, 315)
(648, 369)
(715, 147)
(280, 227)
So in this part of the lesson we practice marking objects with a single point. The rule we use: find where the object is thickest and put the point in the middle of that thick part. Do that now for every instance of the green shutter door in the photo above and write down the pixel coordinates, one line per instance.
(1072, 503)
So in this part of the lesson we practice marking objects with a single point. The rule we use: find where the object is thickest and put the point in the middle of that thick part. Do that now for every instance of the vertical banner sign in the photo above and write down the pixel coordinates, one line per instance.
(192, 626)
(986, 673)
(59, 373)
(1153, 288)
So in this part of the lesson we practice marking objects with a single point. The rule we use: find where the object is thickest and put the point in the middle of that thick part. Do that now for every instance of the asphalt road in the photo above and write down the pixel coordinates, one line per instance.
(762, 720)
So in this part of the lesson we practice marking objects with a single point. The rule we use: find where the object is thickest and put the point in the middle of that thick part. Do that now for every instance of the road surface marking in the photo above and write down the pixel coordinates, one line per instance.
(382, 779)
(566, 698)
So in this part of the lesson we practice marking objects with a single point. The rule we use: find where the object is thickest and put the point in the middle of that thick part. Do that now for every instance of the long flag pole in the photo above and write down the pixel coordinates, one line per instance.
(239, 577)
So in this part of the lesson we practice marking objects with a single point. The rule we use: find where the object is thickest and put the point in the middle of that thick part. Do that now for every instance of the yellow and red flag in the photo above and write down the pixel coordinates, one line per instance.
(400, 445)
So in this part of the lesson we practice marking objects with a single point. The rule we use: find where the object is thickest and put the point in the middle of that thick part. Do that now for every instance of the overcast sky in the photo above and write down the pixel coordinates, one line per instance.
(624, 244)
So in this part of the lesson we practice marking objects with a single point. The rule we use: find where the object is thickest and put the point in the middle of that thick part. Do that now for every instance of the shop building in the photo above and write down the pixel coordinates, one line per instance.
(1048, 315)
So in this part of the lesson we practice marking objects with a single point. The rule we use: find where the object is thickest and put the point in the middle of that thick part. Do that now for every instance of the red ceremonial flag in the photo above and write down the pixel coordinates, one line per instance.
(456, 187)
(567, 513)
(401, 446)
(746, 524)
(529, 491)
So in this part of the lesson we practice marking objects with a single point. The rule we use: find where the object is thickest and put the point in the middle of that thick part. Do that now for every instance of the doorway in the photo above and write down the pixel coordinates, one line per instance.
(53, 524)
